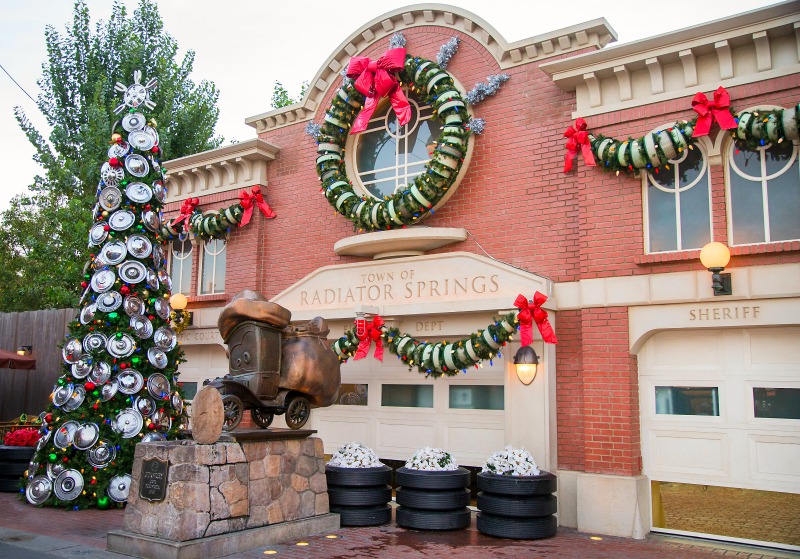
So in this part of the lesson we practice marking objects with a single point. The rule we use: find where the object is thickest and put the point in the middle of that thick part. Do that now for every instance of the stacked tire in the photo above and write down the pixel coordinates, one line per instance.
(14, 461)
(519, 507)
(360, 495)
(433, 500)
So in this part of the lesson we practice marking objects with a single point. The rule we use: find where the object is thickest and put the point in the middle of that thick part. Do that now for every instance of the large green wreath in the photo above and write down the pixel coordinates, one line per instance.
(419, 197)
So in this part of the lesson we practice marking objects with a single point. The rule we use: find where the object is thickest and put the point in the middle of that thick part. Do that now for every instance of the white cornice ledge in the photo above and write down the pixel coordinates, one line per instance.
(223, 169)
(413, 241)
(596, 33)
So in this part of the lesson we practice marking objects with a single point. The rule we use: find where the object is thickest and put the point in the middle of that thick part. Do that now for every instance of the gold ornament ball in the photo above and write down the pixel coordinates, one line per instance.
(115, 138)
(105, 213)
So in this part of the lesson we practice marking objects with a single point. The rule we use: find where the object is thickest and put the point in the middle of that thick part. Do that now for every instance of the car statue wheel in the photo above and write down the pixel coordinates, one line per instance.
(297, 412)
(233, 410)
(262, 417)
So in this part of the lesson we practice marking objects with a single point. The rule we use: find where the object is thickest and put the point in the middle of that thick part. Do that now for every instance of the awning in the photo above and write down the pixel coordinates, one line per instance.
(10, 360)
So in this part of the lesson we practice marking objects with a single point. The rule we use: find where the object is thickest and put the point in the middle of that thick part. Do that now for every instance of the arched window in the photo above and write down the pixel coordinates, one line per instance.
(677, 203)
(212, 273)
(181, 264)
(763, 193)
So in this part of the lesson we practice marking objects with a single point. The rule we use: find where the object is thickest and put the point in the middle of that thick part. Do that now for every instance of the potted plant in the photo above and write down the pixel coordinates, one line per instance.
(432, 492)
(358, 486)
(515, 498)
(15, 455)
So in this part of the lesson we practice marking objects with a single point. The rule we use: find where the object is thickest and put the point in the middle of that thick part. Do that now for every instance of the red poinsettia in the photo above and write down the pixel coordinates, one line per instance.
(21, 437)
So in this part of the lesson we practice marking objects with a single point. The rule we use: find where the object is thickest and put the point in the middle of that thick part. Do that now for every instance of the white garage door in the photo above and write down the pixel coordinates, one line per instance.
(722, 407)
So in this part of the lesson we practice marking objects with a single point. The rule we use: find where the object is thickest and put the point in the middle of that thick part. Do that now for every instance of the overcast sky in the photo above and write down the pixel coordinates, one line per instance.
(246, 45)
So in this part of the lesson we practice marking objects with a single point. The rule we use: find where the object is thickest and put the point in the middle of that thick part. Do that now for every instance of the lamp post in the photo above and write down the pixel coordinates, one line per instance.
(526, 362)
(715, 256)
(179, 316)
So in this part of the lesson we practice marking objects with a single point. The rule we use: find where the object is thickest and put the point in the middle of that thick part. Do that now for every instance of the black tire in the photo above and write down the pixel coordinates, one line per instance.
(16, 454)
(432, 500)
(364, 516)
(10, 485)
(543, 484)
(262, 417)
(358, 477)
(517, 528)
(433, 520)
(297, 412)
(516, 506)
(359, 496)
(234, 410)
(424, 479)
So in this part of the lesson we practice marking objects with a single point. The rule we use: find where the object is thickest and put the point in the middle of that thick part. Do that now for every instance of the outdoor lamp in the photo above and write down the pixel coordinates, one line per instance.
(178, 301)
(526, 361)
(715, 256)
(24, 350)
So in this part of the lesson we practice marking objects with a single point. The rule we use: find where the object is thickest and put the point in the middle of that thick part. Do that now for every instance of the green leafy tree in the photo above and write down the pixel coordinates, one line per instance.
(281, 97)
(43, 235)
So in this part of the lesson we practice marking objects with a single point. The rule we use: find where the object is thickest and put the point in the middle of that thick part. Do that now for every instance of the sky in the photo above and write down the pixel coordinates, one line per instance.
(244, 46)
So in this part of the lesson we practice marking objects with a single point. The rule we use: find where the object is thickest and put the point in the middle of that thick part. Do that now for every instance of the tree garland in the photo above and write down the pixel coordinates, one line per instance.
(415, 201)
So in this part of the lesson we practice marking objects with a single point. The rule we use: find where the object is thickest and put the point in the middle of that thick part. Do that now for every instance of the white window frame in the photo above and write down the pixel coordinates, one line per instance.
(201, 265)
(172, 257)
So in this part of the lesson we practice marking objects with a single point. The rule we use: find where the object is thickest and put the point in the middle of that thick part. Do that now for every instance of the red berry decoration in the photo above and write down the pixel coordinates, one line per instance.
(124, 289)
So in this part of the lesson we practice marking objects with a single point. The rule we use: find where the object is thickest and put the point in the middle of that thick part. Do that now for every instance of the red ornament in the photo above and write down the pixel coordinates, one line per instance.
(151, 317)
(114, 162)
(95, 406)
(89, 385)
(84, 284)
(151, 425)
(49, 417)
(154, 149)
(106, 228)
(123, 365)
(124, 289)
(65, 459)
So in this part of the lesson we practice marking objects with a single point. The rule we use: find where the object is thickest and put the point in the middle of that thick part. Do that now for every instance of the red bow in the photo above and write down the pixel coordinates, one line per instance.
(375, 79)
(372, 332)
(578, 137)
(709, 112)
(246, 201)
(529, 314)
(187, 209)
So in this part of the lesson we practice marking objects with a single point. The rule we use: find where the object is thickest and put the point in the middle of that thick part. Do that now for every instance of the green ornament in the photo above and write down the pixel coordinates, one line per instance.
(52, 457)
(135, 359)
(103, 502)
(113, 315)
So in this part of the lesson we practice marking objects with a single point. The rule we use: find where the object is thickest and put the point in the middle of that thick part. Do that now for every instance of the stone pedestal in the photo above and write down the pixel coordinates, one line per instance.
(221, 492)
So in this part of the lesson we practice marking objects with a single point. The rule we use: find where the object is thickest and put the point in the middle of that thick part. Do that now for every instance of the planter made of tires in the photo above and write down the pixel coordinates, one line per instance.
(433, 500)
(520, 507)
(14, 461)
(360, 495)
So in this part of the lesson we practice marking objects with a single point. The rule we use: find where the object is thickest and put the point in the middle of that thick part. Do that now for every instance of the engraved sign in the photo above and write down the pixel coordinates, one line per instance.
(153, 483)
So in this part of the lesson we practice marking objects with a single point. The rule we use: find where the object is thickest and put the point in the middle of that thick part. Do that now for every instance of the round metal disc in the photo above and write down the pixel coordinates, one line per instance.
(33, 467)
(82, 368)
(119, 487)
(64, 435)
(98, 233)
(77, 398)
(137, 165)
(53, 470)
(111, 176)
(62, 394)
(86, 435)
(177, 402)
(43, 440)
(155, 164)
(96, 211)
(87, 314)
(151, 221)
(158, 386)
(165, 338)
(101, 372)
(133, 121)
(153, 134)
(152, 279)
(163, 277)
(121, 345)
(160, 191)
(109, 301)
(145, 406)
(142, 326)
(72, 351)
(119, 149)
(128, 423)
(162, 308)
(153, 436)
(98, 264)
(133, 305)
(130, 381)
(138, 192)
(114, 252)
(94, 341)
(157, 357)
(132, 271)
(103, 280)
(141, 140)
(162, 420)
(159, 261)
(108, 390)
(110, 198)
(102, 455)
(121, 220)
(68, 485)
(39, 490)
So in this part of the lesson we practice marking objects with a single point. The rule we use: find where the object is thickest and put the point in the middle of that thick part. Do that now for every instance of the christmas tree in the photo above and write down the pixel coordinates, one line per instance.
(120, 358)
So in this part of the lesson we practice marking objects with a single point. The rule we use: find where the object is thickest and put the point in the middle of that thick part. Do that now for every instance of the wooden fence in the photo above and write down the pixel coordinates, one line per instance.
(28, 391)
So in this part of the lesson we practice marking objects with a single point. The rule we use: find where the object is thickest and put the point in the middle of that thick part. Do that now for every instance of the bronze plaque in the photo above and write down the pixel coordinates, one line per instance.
(153, 483)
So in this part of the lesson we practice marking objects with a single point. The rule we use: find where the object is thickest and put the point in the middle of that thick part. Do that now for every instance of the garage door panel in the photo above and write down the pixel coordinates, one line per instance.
(773, 350)
(472, 444)
(774, 457)
(677, 352)
(405, 437)
(688, 453)
(342, 431)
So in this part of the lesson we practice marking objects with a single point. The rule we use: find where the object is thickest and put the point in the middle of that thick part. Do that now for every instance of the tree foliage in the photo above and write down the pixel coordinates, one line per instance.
(281, 98)
(43, 235)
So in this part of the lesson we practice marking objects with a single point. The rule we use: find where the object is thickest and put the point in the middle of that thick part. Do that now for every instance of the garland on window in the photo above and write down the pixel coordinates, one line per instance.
(654, 150)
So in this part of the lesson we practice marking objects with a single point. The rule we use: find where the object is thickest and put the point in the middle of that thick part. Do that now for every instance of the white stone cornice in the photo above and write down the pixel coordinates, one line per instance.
(595, 33)
(227, 168)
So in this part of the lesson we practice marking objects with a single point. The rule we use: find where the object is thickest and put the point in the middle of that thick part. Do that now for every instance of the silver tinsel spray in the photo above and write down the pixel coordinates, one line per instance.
(313, 129)
(447, 51)
(486, 89)
(397, 40)
(476, 125)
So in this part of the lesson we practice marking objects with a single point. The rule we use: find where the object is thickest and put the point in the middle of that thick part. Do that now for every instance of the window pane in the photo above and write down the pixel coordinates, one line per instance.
(747, 210)
(484, 397)
(353, 395)
(661, 218)
(213, 277)
(689, 169)
(777, 157)
(695, 215)
(784, 205)
(748, 161)
(782, 403)
(189, 389)
(687, 400)
(181, 265)
(219, 264)
(407, 395)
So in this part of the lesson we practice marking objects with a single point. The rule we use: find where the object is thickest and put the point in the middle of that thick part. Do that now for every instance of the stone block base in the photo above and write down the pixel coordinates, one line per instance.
(148, 547)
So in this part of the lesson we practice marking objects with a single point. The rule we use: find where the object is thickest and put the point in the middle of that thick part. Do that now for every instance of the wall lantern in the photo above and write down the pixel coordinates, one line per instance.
(526, 362)
(178, 301)
(24, 350)
(715, 256)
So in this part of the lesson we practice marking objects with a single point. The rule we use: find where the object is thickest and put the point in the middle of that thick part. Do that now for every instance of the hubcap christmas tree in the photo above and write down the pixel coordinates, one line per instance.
(118, 383)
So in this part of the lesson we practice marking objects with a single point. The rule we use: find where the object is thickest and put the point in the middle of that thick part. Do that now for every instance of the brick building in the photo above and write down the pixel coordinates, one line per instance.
(654, 379)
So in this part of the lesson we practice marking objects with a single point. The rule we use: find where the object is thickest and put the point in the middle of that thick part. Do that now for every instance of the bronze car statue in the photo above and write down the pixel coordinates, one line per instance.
(274, 368)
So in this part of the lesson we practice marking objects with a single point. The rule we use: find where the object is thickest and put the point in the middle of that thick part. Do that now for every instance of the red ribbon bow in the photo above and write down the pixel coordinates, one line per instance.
(375, 79)
(708, 112)
(246, 201)
(578, 137)
(187, 209)
(529, 314)
(372, 332)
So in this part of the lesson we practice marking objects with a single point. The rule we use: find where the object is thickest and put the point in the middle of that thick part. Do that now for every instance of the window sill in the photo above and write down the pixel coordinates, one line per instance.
(685, 255)
(207, 298)
(659, 257)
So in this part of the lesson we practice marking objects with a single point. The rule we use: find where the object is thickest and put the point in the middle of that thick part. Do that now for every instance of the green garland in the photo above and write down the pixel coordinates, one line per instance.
(656, 149)
(417, 199)
(439, 358)
(207, 226)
